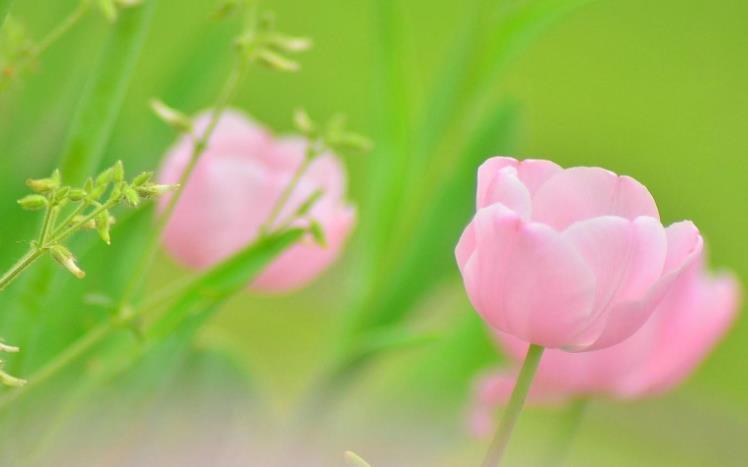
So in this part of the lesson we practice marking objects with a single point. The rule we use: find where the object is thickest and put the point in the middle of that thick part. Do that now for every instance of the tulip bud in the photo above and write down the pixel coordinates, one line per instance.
(63, 256)
(33, 202)
(172, 117)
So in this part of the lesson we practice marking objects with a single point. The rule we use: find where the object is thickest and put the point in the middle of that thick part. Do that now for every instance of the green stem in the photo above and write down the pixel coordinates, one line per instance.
(201, 144)
(20, 266)
(63, 233)
(105, 93)
(61, 29)
(287, 192)
(569, 428)
(517, 400)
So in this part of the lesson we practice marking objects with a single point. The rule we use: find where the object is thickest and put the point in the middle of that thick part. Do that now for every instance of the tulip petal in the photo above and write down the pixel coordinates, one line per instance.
(526, 280)
(582, 193)
(530, 173)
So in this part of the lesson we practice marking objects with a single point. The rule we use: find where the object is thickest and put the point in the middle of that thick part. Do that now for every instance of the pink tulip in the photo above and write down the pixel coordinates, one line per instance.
(686, 325)
(233, 190)
(568, 258)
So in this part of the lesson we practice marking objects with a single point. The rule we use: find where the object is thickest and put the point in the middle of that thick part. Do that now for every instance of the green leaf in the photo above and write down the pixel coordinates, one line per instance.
(104, 94)
(429, 257)
(223, 281)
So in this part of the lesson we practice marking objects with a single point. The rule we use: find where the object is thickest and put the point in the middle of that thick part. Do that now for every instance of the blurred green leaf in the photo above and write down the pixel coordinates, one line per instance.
(4, 8)
(105, 92)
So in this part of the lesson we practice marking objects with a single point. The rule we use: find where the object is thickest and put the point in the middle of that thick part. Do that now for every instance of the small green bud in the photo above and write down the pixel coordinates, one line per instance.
(108, 8)
(172, 117)
(131, 196)
(105, 177)
(61, 194)
(8, 348)
(318, 233)
(77, 194)
(351, 142)
(276, 61)
(151, 190)
(45, 185)
(97, 192)
(143, 178)
(89, 185)
(33, 202)
(102, 226)
(289, 44)
(63, 256)
(116, 195)
(89, 224)
(118, 172)
(304, 122)
(10, 381)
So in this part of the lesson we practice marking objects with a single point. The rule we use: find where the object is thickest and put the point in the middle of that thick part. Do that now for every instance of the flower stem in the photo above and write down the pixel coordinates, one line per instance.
(26, 260)
(517, 400)
(287, 192)
(66, 25)
(559, 449)
(199, 147)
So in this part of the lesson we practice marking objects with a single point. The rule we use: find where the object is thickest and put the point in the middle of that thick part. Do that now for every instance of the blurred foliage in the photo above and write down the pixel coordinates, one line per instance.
(649, 89)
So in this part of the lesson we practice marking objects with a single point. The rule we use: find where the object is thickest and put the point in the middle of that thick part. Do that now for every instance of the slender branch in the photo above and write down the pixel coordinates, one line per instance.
(63, 233)
(288, 191)
(199, 147)
(61, 29)
(517, 400)
(26, 260)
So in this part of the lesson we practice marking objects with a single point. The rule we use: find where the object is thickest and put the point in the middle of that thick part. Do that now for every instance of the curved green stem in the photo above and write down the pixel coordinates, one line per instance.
(20, 266)
(61, 29)
(519, 394)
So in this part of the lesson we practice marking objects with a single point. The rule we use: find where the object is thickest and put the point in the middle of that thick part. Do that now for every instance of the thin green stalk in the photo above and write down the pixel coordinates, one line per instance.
(105, 93)
(61, 29)
(199, 147)
(517, 400)
(287, 192)
(567, 431)
(64, 232)
(20, 266)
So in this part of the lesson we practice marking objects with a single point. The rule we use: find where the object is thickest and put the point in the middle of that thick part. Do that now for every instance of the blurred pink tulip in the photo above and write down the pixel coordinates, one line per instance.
(691, 319)
(568, 258)
(232, 191)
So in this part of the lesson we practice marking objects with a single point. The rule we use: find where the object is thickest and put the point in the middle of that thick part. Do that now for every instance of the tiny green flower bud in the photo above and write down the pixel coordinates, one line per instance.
(351, 142)
(33, 202)
(103, 225)
(77, 194)
(63, 256)
(151, 190)
(10, 381)
(304, 122)
(172, 117)
(45, 185)
(289, 44)
(108, 9)
(88, 224)
(105, 177)
(61, 194)
(131, 196)
(143, 178)
(8, 348)
(318, 234)
(116, 195)
(276, 61)
(118, 172)
(89, 185)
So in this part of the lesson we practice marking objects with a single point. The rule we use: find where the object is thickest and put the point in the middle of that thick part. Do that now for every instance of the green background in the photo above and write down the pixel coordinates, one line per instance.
(655, 90)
